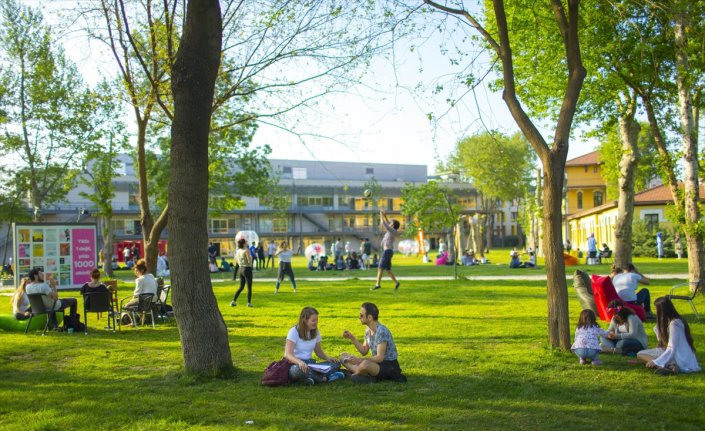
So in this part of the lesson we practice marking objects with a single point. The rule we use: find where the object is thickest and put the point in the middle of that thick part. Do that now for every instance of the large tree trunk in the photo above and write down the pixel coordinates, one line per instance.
(204, 336)
(629, 137)
(696, 262)
(108, 236)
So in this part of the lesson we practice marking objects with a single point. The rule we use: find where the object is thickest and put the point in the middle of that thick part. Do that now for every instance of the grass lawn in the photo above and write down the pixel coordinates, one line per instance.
(475, 354)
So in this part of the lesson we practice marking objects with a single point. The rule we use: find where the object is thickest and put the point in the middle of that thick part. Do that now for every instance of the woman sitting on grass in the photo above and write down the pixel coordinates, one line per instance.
(587, 345)
(675, 352)
(20, 302)
(626, 334)
(301, 341)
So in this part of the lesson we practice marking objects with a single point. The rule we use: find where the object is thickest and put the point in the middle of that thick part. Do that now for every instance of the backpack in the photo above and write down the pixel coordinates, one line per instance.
(73, 321)
(276, 374)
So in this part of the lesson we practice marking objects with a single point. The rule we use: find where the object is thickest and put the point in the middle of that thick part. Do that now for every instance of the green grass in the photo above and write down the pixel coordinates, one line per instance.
(475, 354)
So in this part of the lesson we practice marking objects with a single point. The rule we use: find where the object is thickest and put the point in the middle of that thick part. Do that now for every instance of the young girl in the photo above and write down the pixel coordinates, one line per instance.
(587, 345)
(301, 341)
(675, 352)
(243, 258)
(626, 334)
(20, 302)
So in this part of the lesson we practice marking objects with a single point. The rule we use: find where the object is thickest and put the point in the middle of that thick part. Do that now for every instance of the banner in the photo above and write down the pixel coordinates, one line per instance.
(66, 251)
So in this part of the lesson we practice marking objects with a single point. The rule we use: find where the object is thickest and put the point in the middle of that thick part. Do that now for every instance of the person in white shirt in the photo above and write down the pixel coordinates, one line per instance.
(675, 352)
(144, 283)
(302, 340)
(626, 282)
(48, 289)
(285, 265)
(271, 249)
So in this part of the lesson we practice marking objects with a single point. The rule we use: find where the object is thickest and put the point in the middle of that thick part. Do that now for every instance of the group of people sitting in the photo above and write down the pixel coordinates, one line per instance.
(469, 258)
(515, 261)
(304, 338)
(674, 352)
(342, 263)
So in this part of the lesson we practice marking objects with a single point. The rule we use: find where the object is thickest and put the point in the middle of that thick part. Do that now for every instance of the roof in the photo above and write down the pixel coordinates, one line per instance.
(658, 195)
(585, 159)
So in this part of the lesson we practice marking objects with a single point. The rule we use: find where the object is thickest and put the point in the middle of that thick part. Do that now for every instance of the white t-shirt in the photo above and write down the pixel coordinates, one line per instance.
(626, 284)
(303, 349)
(285, 256)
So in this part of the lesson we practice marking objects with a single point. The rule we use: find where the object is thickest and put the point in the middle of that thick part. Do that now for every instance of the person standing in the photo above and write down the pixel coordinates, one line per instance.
(271, 249)
(366, 253)
(385, 263)
(383, 364)
(338, 249)
(285, 265)
(135, 252)
(591, 248)
(659, 245)
(126, 254)
(243, 259)
(260, 256)
(678, 245)
(253, 253)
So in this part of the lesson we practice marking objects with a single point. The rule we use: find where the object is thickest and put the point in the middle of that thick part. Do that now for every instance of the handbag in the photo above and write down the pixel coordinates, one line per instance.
(276, 374)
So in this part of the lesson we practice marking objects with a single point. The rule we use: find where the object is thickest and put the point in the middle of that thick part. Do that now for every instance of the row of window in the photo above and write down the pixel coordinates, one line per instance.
(596, 199)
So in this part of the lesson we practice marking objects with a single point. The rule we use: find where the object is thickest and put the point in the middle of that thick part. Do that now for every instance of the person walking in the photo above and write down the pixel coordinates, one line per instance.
(285, 265)
(243, 258)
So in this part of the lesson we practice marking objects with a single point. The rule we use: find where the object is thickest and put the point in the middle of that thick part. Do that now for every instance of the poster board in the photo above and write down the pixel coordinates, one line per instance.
(67, 251)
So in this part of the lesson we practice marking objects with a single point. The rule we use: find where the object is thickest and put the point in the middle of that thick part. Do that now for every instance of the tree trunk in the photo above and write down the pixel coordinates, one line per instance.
(629, 136)
(203, 333)
(696, 262)
(108, 236)
(557, 289)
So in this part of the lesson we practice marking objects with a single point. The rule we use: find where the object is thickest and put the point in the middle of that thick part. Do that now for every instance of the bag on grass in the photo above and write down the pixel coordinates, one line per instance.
(276, 374)
(73, 321)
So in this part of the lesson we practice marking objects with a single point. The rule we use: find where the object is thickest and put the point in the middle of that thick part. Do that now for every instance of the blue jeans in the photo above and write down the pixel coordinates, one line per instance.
(627, 345)
(643, 298)
(584, 353)
(297, 374)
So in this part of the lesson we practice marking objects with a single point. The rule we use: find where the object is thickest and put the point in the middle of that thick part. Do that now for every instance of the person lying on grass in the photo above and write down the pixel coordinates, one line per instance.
(675, 352)
(383, 364)
(302, 340)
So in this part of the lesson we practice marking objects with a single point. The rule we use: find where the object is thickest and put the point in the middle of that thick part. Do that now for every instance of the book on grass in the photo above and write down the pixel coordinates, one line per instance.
(321, 368)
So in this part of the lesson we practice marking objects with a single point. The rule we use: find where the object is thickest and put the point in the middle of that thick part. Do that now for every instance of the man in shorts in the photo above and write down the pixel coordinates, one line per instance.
(383, 364)
(385, 263)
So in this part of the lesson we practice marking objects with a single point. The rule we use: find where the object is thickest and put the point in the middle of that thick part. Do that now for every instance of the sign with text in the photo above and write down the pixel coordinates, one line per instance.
(66, 251)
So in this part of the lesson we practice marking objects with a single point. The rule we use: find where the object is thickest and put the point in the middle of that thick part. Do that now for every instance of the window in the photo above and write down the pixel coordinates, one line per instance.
(651, 221)
(315, 201)
(594, 169)
(280, 224)
(580, 200)
(219, 225)
(369, 171)
(515, 215)
(133, 193)
(286, 170)
(597, 198)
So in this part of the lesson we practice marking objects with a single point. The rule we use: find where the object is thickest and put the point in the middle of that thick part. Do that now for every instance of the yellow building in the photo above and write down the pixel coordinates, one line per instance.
(649, 206)
(585, 188)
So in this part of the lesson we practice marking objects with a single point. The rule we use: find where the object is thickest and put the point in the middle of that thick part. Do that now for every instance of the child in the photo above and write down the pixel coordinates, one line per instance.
(586, 345)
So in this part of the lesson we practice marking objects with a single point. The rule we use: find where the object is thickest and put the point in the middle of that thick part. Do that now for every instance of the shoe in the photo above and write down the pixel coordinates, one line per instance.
(583, 361)
(358, 378)
(232, 304)
(396, 286)
(308, 381)
(597, 362)
(336, 376)
(276, 291)
(668, 370)
(249, 304)
(294, 290)
(376, 287)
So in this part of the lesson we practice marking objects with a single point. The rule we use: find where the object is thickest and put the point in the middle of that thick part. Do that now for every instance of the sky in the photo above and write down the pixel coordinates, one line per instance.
(379, 121)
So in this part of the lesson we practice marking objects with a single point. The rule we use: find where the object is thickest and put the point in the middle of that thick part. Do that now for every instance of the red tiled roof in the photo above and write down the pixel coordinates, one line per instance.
(653, 196)
(585, 159)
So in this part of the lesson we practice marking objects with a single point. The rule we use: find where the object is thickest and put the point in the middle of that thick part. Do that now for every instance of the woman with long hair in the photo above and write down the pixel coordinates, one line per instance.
(626, 334)
(243, 259)
(285, 265)
(302, 340)
(675, 352)
(20, 301)
(144, 283)
(93, 286)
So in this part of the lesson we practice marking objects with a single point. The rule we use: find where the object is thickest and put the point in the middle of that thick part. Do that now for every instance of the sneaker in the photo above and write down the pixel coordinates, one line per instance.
(358, 378)
(308, 381)
(294, 290)
(249, 304)
(336, 376)
(276, 291)
(396, 286)
(232, 304)
(597, 362)
(668, 370)
(376, 287)
(583, 361)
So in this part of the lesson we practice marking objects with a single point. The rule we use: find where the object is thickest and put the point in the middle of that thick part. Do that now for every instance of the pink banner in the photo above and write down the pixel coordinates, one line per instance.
(83, 250)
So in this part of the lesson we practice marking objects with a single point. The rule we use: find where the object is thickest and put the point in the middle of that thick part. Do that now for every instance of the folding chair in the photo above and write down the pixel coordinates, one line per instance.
(36, 301)
(98, 302)
(689, 298)
(143, 306)
(160, 303)
(606, 256)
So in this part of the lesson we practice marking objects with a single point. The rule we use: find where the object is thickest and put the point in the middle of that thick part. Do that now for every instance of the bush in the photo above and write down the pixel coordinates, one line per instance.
(644, 240)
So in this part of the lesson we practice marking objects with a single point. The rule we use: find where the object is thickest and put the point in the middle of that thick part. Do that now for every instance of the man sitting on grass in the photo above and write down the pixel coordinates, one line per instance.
(383, 364)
